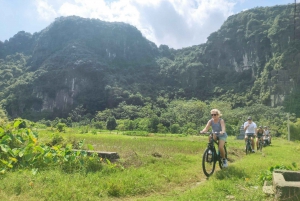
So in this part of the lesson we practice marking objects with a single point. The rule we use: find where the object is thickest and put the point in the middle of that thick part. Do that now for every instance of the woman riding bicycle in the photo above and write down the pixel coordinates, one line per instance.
(218, 127)
(259, 135)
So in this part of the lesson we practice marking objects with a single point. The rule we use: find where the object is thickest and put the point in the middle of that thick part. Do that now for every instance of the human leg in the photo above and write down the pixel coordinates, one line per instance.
(257, 141)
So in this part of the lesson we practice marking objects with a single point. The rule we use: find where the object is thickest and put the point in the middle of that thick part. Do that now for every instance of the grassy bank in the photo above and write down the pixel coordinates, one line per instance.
(156, 167)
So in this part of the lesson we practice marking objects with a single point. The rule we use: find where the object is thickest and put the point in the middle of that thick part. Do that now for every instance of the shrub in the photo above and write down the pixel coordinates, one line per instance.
(61, 127)
(175, 128)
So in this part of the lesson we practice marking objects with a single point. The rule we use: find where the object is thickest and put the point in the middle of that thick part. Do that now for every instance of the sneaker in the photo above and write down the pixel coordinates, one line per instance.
(225, 164)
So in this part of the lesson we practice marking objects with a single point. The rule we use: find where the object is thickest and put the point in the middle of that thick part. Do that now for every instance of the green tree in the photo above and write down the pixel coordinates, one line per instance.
(295, 130)
(161, 128)
(111, 123)
(175, 128)
(153, 123)
(77, 114)
(61, 127)
(3, 115)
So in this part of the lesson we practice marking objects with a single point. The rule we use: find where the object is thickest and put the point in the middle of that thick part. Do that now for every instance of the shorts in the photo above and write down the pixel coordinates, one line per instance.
(222, 137)
(249, 134)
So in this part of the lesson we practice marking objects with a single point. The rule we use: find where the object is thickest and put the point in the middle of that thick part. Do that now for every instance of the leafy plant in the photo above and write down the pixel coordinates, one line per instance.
(20, 149)
(267, 175)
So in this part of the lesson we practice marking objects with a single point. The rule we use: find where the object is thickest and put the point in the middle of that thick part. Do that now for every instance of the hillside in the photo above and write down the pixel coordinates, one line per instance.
(252, 58)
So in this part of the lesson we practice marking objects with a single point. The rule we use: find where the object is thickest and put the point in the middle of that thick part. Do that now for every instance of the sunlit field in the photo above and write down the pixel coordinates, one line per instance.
(152, 167)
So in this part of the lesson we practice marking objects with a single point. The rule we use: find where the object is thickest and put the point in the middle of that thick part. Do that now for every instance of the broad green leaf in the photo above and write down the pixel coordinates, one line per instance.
(13, 159)
(6, 139)
(11, 153)
(28, 157)
(4, 162)
(80, 144)
(5, 148)
(20, 139)
(90, 147)
(15, 151)
(17, 123)
(21, 153)
(40, 149)
(34, 171)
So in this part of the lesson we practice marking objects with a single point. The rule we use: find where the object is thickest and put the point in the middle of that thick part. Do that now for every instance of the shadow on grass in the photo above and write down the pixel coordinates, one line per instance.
(231, 172)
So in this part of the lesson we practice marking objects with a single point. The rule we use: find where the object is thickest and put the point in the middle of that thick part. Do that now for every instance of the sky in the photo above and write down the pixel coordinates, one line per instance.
(176, 23)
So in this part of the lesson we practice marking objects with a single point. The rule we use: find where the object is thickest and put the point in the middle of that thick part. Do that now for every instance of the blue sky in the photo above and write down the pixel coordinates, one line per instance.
(176, 23)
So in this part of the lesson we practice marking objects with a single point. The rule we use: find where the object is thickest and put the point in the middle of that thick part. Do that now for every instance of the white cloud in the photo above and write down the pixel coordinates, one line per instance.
(46, 12)
(176, 23)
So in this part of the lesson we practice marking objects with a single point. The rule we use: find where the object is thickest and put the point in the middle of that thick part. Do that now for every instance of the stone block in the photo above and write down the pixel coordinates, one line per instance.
(103, 154)
(286, 185)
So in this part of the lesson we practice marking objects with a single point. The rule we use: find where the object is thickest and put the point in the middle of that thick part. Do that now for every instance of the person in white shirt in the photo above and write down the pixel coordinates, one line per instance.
(250, 130)
(268, 134)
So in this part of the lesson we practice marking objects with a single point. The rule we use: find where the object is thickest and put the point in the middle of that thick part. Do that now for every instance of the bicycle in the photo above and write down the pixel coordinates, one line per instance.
(248, 148)
(211, 156)
(266, 141)
(260, 143)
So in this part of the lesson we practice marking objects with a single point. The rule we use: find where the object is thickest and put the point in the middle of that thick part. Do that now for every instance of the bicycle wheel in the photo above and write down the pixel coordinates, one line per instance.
(248, 148)
(220, 158)
(260, 145)
(208, 162)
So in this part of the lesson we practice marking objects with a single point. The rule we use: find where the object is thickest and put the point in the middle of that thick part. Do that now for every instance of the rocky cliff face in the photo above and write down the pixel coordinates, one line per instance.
(78, 61)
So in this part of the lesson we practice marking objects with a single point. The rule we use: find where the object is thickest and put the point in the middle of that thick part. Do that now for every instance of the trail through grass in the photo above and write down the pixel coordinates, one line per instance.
(157, 167)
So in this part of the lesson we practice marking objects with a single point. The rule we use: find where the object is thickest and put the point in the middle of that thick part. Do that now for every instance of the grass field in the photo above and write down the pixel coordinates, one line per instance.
(153, 167)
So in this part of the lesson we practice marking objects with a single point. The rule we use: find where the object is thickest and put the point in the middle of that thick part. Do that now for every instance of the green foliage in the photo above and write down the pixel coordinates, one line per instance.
(153, 124)
(295, 130)
(20, 149)
(175, 128)
(3, 115)
(99, 124)
(61, 127)
(178, 86)
(267, 175)
(136, 133)
(77, 114)
(111, 123)
(57, 139)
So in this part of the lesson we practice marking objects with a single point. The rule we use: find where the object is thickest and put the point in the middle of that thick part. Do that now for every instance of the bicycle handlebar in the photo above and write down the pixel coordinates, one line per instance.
(209, 132)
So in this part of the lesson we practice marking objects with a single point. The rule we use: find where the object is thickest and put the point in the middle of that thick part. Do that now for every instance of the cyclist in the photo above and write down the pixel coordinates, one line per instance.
(259, 135)
(267, 134)
(250, 129)
(218, 126)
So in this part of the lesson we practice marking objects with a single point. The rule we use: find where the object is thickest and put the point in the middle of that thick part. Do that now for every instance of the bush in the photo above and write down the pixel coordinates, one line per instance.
(175, 128)
(57, 139)
(61, 127)
(99, 124)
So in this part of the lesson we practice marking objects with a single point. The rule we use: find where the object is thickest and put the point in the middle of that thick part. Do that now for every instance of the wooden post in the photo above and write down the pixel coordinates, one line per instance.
(288, 125)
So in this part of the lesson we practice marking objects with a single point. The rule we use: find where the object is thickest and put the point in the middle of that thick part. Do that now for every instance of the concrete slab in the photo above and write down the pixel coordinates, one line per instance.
(286, 185)
(103, 154)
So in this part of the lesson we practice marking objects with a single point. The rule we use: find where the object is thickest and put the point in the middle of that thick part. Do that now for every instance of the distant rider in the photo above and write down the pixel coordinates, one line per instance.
(250, 129)
(259, 135)
(267, 134)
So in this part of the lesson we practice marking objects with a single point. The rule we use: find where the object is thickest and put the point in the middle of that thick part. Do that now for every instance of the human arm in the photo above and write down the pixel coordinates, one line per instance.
(246, 125)
(206, 127)
(223, 127)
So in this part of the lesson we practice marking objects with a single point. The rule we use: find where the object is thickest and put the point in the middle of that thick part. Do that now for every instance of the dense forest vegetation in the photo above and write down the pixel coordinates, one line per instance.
(91, 72)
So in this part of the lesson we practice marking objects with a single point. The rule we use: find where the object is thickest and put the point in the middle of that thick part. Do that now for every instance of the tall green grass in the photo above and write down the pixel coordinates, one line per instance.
(152, 167)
